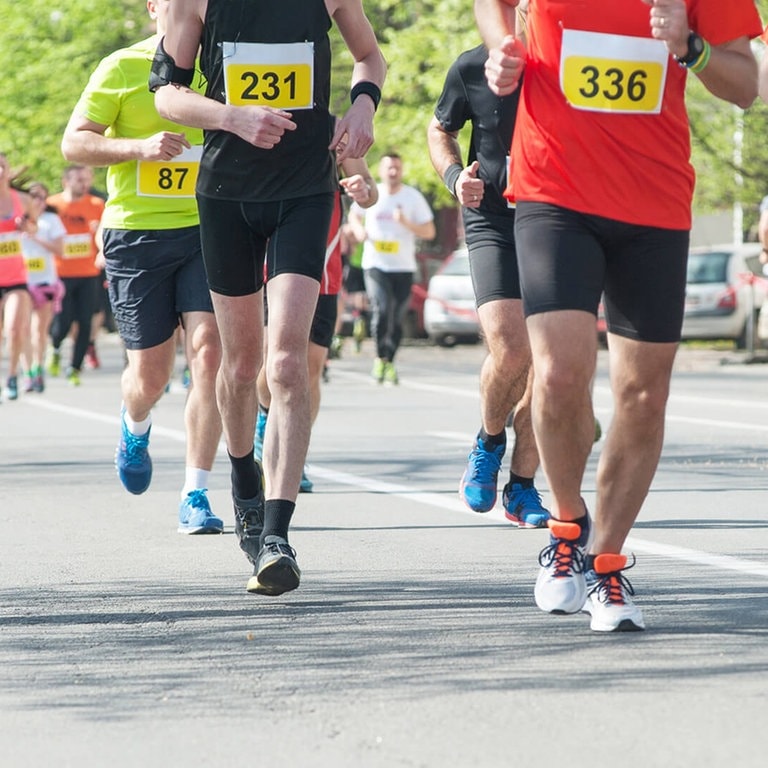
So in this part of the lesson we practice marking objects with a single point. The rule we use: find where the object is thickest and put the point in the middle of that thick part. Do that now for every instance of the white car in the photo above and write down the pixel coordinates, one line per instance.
(724, 292)
(450, 314)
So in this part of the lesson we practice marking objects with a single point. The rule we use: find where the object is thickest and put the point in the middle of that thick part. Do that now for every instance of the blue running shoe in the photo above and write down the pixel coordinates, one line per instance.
(134, 466)
(479, 481)
(258, 435)
(522, 506)
(306, 485)
(195, 514)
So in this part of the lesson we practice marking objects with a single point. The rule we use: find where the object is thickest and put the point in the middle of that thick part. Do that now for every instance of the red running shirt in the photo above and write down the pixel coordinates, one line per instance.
(602, 126)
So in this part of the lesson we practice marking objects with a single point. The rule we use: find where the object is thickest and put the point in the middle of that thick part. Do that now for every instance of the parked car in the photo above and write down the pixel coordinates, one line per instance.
(723, 292)
(450, 314)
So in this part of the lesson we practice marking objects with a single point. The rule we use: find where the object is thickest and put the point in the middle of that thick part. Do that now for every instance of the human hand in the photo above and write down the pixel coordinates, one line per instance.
(469, 188)
(353, 136)
(669, 23)
(263, 127)
(504, 66)
(164, 145)
(357, 188)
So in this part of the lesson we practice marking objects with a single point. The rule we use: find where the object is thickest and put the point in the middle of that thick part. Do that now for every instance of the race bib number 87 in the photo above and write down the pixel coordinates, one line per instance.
(613, 73)
(170, 178)
(276, 75)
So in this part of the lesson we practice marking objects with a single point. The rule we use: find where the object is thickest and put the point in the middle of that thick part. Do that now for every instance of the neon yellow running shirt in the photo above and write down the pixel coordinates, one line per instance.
(141, 195)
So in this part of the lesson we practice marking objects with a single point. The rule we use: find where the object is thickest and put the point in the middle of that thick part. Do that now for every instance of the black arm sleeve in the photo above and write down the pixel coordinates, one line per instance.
(164, 71)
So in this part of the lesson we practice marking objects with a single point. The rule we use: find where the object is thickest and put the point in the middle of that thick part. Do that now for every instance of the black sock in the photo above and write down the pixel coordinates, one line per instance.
(277, 518)
(246, 478)
(525, 482)
(492, 441)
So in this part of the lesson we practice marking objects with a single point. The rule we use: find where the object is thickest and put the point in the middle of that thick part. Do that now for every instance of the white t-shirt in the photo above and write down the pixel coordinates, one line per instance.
(389, 246)
(41, 265)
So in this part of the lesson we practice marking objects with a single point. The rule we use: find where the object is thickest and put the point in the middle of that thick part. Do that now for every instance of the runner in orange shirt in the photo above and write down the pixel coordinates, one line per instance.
(80, 212)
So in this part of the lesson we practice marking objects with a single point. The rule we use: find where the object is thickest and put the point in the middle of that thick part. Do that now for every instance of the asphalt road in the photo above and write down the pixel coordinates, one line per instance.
(413, 640)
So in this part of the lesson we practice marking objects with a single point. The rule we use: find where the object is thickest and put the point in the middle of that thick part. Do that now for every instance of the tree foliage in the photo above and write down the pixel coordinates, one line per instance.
(49, 47)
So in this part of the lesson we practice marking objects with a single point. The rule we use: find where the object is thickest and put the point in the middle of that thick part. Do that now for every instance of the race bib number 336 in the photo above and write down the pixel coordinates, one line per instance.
(276, 75)
(613, 73)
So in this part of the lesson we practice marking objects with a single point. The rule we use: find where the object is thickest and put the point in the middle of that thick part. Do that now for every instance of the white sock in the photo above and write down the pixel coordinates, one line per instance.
(194, 479)
(137, 428)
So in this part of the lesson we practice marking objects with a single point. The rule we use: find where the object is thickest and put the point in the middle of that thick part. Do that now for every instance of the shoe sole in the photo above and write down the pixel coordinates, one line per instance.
(275, 579)
(201, 529)
(518, 523)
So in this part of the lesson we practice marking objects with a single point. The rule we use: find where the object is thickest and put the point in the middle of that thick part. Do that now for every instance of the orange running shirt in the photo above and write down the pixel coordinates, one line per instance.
(81, 219)
(602, 126)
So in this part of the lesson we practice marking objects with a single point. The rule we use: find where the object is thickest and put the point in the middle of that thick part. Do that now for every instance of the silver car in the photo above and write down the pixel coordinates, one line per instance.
(724, 292)
(450, 314)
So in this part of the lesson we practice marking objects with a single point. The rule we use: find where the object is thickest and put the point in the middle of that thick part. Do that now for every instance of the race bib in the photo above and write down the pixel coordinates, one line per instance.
(35, 264)
(613, 73)
(169, 178)
(77, 246)
(10, 245)
(279, 75)
(387, 246)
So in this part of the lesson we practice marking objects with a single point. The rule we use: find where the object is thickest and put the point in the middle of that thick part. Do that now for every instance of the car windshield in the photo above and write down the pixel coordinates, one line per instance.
(711, 267)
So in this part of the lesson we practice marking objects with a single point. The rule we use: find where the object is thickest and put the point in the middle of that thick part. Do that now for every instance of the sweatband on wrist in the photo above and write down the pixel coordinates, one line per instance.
(451, 176)
(369, 89)
(703, 60)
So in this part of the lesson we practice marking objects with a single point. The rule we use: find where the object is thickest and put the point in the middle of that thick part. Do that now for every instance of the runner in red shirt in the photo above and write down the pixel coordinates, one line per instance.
(603, 185)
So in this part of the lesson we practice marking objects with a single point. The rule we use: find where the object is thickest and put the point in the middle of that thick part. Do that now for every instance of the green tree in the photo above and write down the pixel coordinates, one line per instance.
(48, 49)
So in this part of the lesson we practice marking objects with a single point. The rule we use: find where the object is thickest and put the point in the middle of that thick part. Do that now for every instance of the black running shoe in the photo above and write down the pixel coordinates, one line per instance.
(249, 520)
(276, 570)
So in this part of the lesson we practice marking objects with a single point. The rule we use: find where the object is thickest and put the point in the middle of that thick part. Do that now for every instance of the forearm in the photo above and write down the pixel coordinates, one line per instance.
(732, 73)
(184, 106)
(94, 149)
(444, 149)
(495, 20)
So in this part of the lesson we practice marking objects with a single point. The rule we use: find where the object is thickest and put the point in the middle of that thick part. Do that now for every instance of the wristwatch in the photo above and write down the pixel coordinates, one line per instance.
(695, 50)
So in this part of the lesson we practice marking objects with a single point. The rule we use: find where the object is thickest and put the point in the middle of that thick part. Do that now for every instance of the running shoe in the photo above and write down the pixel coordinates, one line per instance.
(134, 465)
(73, 377)
(523, 507)
(479, 482)
(390, 374)
(12, 388)
(306, 485)
(610, 594)
(195, 514)
(54, 365)
(186, 377)
(377, 372)
(258, 435)
(561, 586)
(38, 383)
(249, 521)
(276, 570)
(359, 332)
(29, 383)
(92, 358)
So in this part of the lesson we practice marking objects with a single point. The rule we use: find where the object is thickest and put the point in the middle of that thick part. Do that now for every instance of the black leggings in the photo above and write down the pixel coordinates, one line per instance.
(79, 305)
(389, 294)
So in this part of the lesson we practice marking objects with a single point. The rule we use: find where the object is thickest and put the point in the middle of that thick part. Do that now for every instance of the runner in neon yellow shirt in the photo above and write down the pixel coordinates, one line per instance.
(154, 263)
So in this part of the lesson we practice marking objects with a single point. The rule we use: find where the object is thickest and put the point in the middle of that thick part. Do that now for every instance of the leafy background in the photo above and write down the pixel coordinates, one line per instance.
(49, 47)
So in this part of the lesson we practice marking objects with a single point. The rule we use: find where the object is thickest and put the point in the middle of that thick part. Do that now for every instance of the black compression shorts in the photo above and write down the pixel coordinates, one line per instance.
(568, 260)
(237, 237)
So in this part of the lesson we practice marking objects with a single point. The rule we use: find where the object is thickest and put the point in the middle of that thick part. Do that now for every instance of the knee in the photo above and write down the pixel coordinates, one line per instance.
(286, 372)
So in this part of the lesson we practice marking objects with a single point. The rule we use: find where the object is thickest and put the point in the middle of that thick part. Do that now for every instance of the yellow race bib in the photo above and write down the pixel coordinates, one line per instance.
(279, 75)
(77, 246)
(613, 73)
(169, 178)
